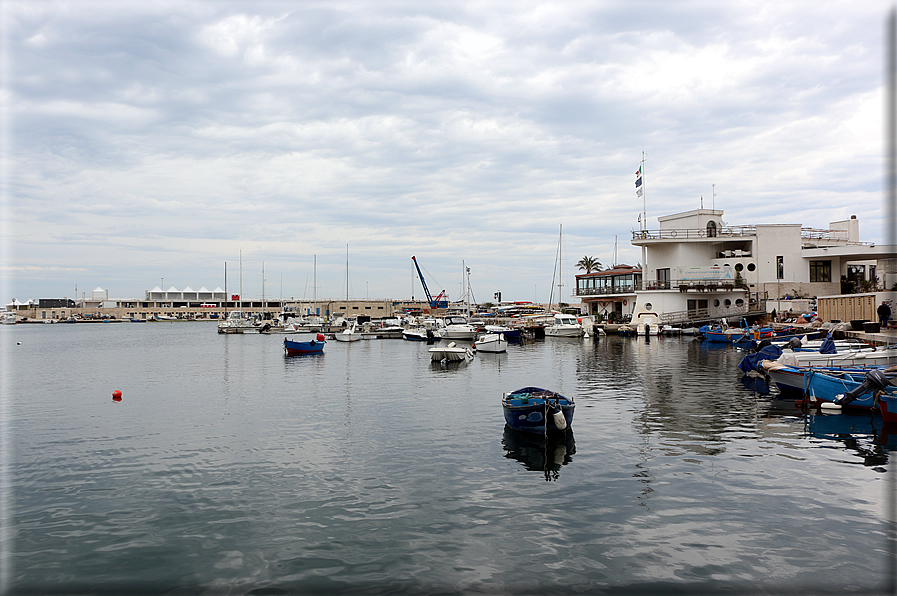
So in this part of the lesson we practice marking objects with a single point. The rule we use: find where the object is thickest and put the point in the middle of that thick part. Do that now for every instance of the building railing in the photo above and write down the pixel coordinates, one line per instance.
(703, 285)
(806, 234)
(702, 314)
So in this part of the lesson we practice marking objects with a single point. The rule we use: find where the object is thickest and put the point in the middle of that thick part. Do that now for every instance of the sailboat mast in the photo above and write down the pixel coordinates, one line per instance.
(241, 282)
(225, 289)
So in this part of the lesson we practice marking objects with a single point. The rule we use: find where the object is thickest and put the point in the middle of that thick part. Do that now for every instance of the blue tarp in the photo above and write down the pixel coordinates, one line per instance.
(828, 346)
(752, 361)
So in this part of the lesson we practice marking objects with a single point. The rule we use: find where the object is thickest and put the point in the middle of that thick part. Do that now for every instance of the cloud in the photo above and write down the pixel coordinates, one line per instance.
(185, 133)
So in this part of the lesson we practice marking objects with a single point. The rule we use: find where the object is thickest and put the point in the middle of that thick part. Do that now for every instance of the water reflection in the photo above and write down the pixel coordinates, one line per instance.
(538, 453)
(756, 384)
(862, 435)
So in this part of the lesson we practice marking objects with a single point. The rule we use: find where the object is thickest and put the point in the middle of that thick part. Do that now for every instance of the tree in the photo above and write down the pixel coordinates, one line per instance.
(589, 264)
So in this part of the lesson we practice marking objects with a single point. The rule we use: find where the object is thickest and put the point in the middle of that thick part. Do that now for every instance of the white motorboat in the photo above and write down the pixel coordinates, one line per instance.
(419, 334)
(646, 323)
(450, 353)
(491, 342)
(457, 327)
(564, 326)
(886, 356)
(236, 322)
(349, 334)
(7, 318)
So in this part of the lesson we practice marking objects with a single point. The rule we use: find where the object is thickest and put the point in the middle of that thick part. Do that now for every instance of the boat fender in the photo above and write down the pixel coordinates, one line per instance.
(558, 417)
(320, 337)
(311, 343)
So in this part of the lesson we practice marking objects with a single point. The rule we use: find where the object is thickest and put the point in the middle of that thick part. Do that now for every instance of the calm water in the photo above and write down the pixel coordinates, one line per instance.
(229, 468)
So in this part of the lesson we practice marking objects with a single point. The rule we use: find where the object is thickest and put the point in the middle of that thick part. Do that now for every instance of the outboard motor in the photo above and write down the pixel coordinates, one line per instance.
(794, 343)
(875, 381)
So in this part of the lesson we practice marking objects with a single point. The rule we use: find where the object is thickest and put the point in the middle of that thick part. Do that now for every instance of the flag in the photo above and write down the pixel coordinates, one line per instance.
(638, 182)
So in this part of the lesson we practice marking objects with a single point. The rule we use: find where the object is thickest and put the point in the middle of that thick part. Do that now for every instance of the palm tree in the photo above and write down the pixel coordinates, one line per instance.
(589, 264)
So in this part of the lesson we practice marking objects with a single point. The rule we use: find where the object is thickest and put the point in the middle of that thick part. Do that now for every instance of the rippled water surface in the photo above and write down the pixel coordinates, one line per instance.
(230, 468)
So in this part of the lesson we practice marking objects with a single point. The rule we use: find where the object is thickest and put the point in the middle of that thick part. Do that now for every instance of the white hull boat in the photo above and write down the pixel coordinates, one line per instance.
(450, 353)
(564, 326)
(349, 334)
(491, 342)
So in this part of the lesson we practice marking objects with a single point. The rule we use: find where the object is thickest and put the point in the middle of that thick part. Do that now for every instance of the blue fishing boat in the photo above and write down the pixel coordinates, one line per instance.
(536, 410)
(314, 346)
(845, 389)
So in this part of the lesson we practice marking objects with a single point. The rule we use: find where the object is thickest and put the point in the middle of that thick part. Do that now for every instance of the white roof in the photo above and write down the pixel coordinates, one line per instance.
(203, 289)
(99, 289)
(173, 289)
(189, 289)
(156, 289)
(218, 289)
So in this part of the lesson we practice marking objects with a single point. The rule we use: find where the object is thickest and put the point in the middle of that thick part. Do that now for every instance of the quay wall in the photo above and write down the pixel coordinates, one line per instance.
(375, 309)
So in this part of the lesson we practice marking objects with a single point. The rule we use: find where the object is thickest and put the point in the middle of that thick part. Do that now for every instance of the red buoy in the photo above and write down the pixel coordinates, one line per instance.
(116, 395)
(320, 337)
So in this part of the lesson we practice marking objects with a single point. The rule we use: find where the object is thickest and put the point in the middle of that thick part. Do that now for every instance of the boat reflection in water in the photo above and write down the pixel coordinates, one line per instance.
(538, 453)
(867, 437)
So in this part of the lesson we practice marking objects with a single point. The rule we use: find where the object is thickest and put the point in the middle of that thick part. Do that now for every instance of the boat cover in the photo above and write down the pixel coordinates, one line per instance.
(752, 361)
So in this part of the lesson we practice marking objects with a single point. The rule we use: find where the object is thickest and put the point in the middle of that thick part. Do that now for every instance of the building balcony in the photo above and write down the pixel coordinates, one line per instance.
(703, 285)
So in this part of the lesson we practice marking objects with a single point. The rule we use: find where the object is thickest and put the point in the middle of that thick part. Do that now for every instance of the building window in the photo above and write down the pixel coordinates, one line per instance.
(751, 267)
(711, 229)
(780, 267)
(821, 271)
(739, 267)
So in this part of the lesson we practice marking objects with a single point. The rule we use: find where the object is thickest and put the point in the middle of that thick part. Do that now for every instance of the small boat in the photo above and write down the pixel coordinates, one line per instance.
(294, 348)
(450, 353)
(646, 323)
(349, 334)
(419, 334)
(138, 320)
(564, 326)
(887, 403)
(512, 335)
(830, 389)
(491, 342)
(536, 410)
(7, 318)
(457, 327)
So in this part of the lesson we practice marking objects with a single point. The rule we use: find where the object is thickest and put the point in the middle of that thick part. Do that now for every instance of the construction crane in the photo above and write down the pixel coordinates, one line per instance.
(441, 301)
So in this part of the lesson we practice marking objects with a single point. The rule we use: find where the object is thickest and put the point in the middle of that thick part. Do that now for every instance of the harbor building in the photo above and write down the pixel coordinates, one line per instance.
(697, 268)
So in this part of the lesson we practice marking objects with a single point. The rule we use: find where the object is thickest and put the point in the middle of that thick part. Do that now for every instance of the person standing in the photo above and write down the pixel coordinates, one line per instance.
(884, 313)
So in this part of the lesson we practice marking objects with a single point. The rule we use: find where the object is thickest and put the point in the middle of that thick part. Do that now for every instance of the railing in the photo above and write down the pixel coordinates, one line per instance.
(806, 234)
(701, 314)
(708, 285)
(688, 233)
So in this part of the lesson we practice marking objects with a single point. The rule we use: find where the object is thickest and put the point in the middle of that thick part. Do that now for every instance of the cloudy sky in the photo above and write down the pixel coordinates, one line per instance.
(158, 140)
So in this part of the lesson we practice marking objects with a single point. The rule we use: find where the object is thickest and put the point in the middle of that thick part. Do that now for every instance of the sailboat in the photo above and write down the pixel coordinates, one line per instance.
(564, 325)
(351, 333)
(236, 321)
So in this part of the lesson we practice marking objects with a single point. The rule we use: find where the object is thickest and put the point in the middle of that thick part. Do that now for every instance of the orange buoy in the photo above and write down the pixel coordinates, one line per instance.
(320, 337)
(116, 395)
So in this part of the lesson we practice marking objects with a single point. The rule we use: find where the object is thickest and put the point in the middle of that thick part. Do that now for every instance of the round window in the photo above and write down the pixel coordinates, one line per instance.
(739, 267)
(647, 306)
(739, 303)
(716, 302)
(728, 303)
(751, 266)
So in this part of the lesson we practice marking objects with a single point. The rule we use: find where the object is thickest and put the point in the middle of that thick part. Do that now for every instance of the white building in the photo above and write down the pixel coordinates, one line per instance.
(698, 268)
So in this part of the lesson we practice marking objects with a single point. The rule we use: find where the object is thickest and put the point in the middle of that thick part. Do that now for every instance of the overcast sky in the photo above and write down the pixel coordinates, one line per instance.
(158, 140)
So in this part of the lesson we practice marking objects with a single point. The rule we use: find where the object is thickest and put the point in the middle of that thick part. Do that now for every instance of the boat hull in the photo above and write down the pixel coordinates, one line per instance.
(564, 331)
(491, 343)
(296, 348)
(450, 353)
(528, 410)
(888, 406)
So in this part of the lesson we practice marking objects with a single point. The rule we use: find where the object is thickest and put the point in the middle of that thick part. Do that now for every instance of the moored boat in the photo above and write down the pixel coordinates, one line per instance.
(450, 353)
(537, 410)
(295, 348)
(564, 326)
(349, 334)
(491, 342)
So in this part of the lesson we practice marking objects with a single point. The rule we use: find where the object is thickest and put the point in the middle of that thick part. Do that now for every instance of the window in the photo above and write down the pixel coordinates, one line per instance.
(739, 267)
(821, 271)
(648, 306)
(751, 266)
(711, 229)
(780, 267)
(663, 278)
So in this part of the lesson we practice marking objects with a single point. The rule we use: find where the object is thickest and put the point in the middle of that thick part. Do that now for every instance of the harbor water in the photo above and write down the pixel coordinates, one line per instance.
(230, 468)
